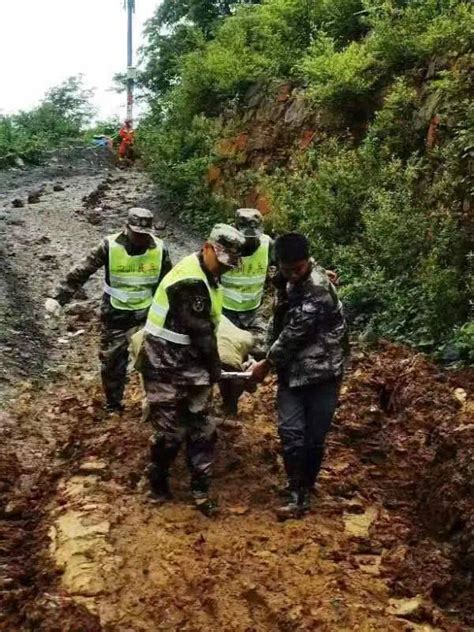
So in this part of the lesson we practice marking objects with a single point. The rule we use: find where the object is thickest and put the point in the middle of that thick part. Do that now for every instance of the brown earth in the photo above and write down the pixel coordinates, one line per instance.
(387, 547)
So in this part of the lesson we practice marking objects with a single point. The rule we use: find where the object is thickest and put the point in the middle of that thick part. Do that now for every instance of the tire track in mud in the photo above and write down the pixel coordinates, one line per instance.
(25, 344)
(43, 433)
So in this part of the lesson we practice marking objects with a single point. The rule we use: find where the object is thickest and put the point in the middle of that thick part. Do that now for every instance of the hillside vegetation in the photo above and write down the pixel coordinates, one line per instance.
(61, 118)
(350, 120)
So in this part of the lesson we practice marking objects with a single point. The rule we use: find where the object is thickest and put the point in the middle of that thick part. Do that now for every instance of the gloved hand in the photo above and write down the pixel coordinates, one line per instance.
(52, 307)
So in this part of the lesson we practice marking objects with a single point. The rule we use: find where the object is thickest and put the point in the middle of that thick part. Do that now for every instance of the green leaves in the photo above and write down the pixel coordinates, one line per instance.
(60, 117)
(337, 78)
(376, 165)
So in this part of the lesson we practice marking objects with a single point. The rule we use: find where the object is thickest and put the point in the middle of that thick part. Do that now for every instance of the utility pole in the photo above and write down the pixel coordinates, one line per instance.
(129, 5)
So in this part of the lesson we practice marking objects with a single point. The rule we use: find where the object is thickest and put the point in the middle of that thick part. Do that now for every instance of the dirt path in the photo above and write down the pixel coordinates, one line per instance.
(40, 241)
(82, 548)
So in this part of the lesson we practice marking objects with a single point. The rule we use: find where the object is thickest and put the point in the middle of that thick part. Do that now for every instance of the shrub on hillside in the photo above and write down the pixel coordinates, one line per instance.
(384, 191)
(340, 79)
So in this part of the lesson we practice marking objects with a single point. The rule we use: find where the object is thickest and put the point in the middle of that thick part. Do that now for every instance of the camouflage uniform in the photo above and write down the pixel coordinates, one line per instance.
(117, 325)
(178, 381)
(249, 222)
(308, 349)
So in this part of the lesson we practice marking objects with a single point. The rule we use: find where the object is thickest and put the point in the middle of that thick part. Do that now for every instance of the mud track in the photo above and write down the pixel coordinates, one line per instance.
(388, 546)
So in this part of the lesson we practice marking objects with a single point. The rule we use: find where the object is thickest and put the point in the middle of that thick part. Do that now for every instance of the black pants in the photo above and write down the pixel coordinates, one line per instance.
(305, 414)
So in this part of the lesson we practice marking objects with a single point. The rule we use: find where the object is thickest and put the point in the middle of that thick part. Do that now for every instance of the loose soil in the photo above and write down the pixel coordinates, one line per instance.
(388, 546)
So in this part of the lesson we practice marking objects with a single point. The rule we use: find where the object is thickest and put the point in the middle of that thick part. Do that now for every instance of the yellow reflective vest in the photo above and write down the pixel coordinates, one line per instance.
(187, 268)
(243, 286)
(132, 279)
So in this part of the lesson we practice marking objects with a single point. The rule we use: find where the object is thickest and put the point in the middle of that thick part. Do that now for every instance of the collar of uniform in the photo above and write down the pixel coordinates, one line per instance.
(213, 281)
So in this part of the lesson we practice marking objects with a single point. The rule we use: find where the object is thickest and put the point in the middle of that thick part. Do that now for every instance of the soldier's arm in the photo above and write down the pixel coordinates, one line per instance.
(189, 300)
(280, 307)
(302, 322)
(166, 264)
(79, 274)
(271, 253)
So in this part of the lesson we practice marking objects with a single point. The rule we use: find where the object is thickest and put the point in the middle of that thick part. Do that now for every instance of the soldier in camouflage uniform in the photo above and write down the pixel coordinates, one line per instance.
(243, 294)
(308, 345)
(179, 362)
(244, 286)
(135, 261)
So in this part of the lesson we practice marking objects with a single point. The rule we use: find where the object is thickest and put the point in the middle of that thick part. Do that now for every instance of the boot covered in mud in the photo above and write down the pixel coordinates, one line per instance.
(113, 407)
(207, 506)
(160, 491)
(292, 505)
(290, 508)
(202, 500)
(296, 505)
(162, 455)
(304, 500)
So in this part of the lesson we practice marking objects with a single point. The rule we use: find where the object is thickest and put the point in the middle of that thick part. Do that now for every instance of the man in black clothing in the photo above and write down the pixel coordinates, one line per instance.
(307, 350)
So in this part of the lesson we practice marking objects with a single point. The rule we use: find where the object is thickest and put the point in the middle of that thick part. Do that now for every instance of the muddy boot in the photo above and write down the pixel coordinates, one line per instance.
(291, 509)
(305, 500)
(202, 501)
(294, 470)
(114, 407)
(207, 506)
(162, 455)
(158, 471)
(160, 491)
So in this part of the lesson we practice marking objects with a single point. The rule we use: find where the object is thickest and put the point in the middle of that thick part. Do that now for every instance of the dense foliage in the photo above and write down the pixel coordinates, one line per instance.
(59, 118)
(384, 188)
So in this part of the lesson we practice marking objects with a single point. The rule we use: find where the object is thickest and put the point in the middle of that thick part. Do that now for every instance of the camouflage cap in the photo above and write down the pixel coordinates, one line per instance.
(228, 243)
(140, 220)
(249, 221)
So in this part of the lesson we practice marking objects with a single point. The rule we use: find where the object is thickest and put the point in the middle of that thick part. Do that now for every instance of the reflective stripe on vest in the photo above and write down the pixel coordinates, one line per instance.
(132, 278)
(124, 296)
(241, 297)
(243, 286)
(167, 334)
(187, 268)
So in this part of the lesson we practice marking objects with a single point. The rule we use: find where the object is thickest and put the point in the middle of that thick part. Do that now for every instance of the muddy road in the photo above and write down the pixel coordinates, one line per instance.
(389, 545)
(75, 201)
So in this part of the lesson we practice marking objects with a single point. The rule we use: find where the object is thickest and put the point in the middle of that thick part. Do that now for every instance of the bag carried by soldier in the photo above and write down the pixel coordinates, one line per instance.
(233, 344)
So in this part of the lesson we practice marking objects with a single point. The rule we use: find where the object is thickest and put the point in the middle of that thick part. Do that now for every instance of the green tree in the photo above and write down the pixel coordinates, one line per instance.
(71, 101)
(382, 90)
(202, 13)
(60, 117)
